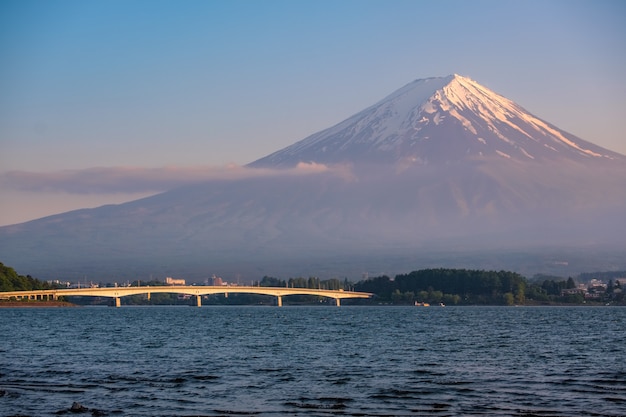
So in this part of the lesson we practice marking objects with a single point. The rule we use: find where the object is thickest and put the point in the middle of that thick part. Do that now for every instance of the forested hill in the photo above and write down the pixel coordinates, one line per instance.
(11, 281)
(463, 286)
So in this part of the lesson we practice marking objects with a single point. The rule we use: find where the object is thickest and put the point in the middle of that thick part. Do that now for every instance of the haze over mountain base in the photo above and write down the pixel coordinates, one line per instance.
(331, 226)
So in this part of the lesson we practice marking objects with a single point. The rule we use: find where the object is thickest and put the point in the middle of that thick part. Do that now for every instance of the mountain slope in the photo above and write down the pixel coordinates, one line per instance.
(442, 172)
(438, 120)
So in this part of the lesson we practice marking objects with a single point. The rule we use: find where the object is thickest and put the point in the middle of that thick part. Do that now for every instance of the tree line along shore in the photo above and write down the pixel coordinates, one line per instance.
(427, 286)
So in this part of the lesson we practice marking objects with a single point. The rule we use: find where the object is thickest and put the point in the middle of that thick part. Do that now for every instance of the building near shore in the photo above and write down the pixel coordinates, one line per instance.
(174, 281)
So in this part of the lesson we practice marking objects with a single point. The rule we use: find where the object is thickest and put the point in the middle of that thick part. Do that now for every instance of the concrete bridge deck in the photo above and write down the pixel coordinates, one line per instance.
(193, 290)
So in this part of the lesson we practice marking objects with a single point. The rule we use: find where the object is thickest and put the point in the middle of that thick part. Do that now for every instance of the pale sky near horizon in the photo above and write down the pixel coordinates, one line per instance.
(181, 89)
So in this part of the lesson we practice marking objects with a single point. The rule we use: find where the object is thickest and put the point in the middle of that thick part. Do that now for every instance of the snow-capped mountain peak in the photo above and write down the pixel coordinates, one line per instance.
(438, 120)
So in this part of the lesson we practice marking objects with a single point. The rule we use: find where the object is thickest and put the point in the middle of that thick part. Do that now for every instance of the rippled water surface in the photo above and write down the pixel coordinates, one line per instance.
(314, 361)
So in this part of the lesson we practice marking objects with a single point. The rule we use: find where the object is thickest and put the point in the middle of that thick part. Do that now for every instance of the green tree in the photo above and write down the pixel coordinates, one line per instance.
(537, 293)
(610, 287)
(451, 299)
(577, 298)
(435, 296)
(272, 282)
(297, 282)
(313, 282)
(520, 293)
(422, 296)
(381, 286)
(11, 281)
(332, 284)
(509, 299)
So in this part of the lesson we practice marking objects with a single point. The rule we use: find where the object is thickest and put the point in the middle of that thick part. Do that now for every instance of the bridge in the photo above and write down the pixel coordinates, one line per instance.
(198, 291)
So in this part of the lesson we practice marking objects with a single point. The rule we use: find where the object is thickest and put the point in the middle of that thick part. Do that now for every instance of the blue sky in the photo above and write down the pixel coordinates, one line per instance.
(197, 85)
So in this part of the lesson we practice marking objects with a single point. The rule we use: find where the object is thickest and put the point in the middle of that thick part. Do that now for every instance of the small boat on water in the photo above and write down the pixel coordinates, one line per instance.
(418, 304)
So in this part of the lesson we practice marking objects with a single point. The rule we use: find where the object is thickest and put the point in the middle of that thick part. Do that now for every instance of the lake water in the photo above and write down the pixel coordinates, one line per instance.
(314, 361)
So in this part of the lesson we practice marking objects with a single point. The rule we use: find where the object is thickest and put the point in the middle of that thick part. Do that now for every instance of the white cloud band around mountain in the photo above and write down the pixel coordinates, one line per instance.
(102, 180)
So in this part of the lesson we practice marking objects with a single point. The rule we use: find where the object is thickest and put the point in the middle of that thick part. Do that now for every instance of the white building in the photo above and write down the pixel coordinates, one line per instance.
(174, 281)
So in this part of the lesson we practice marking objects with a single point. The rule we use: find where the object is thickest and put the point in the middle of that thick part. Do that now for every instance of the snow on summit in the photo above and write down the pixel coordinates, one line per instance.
(434, 120)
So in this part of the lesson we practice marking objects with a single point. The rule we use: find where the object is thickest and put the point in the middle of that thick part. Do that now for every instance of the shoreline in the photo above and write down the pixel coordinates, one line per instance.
(36, 304)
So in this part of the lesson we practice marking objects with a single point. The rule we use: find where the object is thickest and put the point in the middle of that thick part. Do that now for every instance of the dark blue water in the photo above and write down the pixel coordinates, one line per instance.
(314, 361)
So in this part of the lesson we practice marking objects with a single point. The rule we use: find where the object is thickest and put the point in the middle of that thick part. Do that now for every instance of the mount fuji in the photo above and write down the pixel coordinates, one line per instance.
(442, 172)
(439, 120)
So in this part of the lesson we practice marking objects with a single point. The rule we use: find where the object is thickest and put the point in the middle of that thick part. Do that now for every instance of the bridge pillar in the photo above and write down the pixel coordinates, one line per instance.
(148, 296)
(338, 301)
(279, 301)
(118, 302)
(199, 300)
